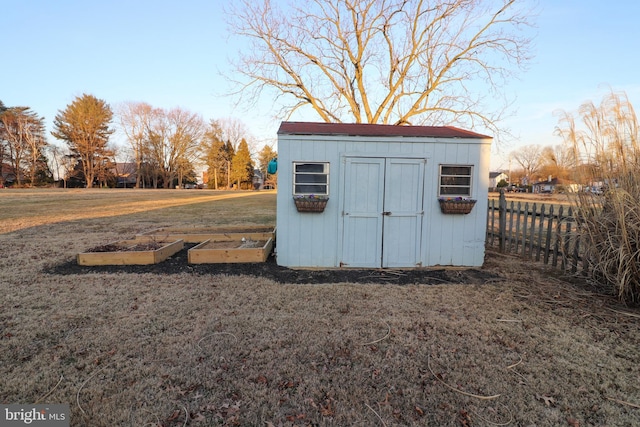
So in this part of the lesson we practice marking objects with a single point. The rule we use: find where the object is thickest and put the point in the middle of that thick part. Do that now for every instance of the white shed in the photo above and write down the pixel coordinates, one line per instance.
(383, 187)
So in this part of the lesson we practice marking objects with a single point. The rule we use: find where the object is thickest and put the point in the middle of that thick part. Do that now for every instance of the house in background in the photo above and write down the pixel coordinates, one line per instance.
(495, 178)
(548, 186)
(7, 175)
(381, 185)
(258, 179)
(554, 185)
(125, 174)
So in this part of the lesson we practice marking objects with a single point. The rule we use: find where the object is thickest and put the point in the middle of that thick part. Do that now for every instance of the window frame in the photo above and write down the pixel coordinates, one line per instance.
(459, 194)
(325, 172)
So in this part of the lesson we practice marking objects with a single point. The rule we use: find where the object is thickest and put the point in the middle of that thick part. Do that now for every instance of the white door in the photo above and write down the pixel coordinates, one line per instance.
(382, 216)
(402, 215)
(362, 215)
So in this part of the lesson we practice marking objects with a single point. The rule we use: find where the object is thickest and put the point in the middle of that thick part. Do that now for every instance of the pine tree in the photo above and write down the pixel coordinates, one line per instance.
(242, 166)
(228, 158)
(264, 157)
(84, 126)
(215, 155)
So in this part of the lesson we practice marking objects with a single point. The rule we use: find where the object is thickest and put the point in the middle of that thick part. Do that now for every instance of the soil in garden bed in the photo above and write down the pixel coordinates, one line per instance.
(113, 247)
(248, 244)
(178, 263)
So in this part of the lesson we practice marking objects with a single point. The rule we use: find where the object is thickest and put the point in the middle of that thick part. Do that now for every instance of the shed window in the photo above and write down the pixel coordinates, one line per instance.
(311, 178)
(455, 180)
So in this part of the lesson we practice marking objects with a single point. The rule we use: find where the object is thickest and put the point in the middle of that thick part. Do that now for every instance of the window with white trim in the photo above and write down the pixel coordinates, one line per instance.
(455, 180)
(310, 178)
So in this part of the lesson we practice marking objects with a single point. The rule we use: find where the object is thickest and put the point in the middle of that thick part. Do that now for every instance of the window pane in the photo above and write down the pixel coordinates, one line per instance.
(456, 170)
(455, 180)
(315, 179)
(310, 189)
(310, 167)
(455, 191)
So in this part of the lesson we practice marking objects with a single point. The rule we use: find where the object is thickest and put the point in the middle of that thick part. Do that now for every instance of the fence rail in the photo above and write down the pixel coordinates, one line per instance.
(536, 231)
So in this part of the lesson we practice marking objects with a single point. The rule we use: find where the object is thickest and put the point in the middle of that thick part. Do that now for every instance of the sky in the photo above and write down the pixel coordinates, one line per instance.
(177, 54)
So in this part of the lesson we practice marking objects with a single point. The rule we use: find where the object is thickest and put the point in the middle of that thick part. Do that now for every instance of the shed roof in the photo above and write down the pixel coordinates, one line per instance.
(365, 129)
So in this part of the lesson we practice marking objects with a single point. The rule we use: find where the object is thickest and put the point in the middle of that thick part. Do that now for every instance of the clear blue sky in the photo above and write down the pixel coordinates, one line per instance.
(169, 54)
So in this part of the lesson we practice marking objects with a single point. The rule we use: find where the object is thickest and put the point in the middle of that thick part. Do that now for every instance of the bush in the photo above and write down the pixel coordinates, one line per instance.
(611, 225)
(609, 222)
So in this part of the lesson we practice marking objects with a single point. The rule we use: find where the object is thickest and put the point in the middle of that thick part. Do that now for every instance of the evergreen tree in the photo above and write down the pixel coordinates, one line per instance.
(84, 126)
(264, 157)
(215, 155)
(229, 154)
(242, 166)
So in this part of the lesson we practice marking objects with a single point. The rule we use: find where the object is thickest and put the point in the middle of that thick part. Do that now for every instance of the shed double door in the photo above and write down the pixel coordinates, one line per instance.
(382, 212)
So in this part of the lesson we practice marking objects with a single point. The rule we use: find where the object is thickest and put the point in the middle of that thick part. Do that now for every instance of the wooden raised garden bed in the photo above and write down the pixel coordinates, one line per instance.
(218, 234)
(230, 251)
(138, 251)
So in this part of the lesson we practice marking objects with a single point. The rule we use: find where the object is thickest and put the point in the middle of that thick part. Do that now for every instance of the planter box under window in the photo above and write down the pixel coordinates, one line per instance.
(139, 251)
(462, 207)
(308, 204)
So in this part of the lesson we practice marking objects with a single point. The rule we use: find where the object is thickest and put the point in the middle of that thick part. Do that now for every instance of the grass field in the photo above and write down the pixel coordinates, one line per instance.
(526, 348)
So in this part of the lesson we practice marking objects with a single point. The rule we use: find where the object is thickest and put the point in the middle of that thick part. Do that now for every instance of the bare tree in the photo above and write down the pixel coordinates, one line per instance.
(62, 162)
(558, 160)
(135, 121)
(383, 61)
(174, 138)
(23, 132)
(529, 158)
(233, 130)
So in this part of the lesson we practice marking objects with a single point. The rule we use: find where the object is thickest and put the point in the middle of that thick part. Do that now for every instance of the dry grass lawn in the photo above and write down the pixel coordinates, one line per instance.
(122, 349)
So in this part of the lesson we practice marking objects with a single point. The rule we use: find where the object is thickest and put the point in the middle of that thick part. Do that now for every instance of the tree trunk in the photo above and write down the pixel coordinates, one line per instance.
(138, 173)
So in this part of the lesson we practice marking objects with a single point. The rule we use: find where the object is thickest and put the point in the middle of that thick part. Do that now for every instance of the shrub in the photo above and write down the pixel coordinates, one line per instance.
(608, 151)
(611, 225)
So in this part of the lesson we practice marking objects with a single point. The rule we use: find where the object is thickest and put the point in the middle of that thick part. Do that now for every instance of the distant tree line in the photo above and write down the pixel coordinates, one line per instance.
(533, 163)
(164, 147)
(22, 147)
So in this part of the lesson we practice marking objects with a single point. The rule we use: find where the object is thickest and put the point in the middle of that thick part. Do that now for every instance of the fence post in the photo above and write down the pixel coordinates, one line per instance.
(502, 220)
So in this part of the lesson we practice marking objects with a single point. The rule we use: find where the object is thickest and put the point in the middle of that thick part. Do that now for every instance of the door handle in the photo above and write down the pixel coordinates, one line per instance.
(386, 213)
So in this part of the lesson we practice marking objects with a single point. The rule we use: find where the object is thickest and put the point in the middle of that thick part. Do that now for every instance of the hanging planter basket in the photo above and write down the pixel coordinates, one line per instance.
(310, 204)
(456, 206)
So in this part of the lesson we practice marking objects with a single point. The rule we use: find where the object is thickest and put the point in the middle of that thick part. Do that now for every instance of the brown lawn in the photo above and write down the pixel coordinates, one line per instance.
(522, 348)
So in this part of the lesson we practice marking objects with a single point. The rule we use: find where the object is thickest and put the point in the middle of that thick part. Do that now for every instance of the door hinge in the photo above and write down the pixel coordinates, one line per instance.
(386, 213)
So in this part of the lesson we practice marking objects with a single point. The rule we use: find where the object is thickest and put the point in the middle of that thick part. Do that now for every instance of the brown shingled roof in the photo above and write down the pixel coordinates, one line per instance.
(362, 129)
